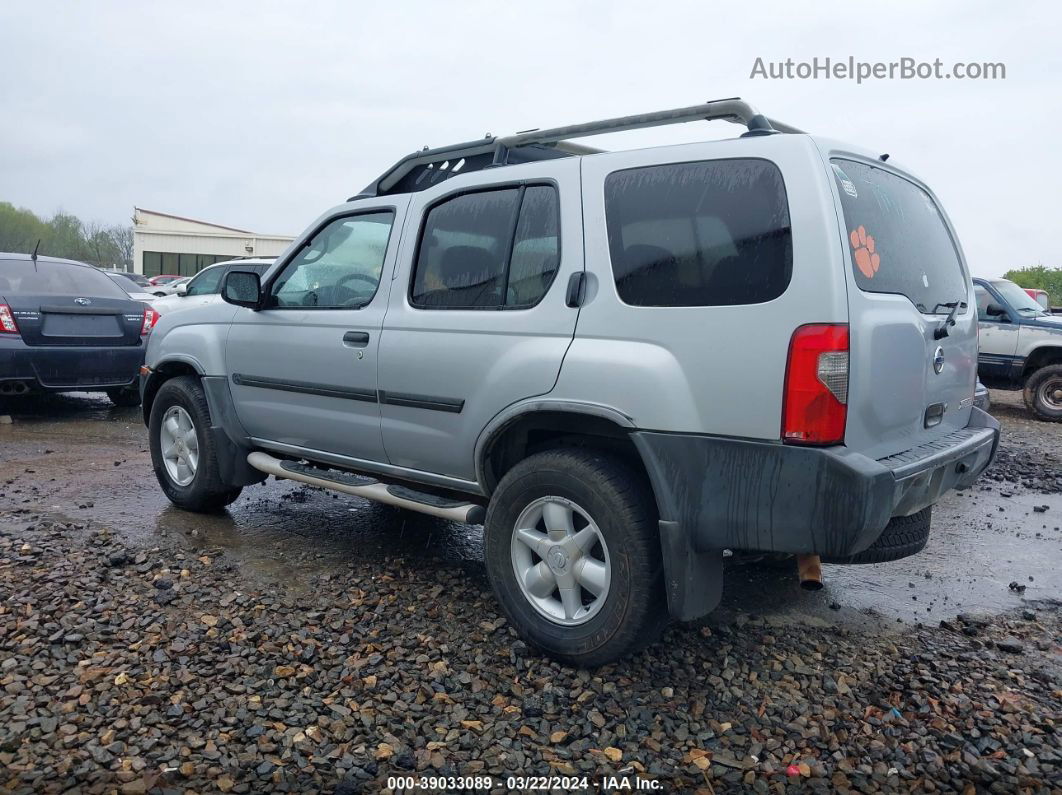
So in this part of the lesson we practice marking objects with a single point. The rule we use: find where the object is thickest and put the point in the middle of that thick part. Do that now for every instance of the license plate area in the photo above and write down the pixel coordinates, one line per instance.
(95, 326)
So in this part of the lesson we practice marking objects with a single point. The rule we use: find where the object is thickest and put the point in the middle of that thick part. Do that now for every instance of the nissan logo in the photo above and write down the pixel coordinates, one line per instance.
(82, 301)
(938, 360)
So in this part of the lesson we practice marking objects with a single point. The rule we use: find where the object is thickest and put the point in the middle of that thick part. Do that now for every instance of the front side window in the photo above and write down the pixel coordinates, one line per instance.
(340, 267)
(713, 233)
(897, 238)
(207, 283)
(497, 249)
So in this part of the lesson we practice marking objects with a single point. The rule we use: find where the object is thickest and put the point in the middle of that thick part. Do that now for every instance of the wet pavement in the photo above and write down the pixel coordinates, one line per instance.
(307, 642)
(77, 457)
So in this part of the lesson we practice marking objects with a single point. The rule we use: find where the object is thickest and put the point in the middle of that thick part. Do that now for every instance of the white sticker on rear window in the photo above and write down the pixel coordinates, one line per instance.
(846, 184)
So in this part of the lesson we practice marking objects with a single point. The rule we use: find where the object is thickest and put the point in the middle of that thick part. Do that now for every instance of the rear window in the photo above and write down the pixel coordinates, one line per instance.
(714, 233)
(56, 278)
(897, 238)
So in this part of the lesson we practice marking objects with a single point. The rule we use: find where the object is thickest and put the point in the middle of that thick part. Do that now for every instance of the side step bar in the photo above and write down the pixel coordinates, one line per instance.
(361, 486)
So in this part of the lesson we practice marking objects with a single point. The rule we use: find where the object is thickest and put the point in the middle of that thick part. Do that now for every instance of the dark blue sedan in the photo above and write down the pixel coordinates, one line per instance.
(65, 326)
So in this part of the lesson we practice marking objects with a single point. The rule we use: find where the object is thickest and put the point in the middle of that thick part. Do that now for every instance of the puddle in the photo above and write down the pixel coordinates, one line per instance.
(287, 532)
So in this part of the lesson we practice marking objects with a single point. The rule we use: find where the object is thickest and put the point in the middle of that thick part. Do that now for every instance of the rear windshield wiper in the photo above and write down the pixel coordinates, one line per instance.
(942, 330)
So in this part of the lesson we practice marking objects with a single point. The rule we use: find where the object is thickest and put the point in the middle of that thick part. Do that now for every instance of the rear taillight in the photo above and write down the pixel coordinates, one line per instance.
(816, 386)
(151, 317)
(7, 320)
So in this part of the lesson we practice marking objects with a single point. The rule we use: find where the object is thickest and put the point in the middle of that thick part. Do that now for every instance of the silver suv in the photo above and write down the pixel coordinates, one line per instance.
(621, 363)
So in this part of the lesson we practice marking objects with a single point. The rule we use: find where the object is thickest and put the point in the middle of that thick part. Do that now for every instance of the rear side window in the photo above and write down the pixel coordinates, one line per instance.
(497, 249)
(713, 233)
(56, 278)
(897, 238)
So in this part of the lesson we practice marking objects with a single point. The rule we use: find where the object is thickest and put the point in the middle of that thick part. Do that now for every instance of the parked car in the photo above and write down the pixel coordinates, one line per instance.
(139, 279)
(205, 287)
(1020, 346)
(621, 363)
(66, 326)
(131, 288)
(165, 278)
(170, 288)
(1041, 297)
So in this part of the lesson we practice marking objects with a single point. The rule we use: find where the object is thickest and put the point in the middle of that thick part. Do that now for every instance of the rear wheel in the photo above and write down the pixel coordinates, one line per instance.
(573, 553)
(126, 397)
(182, 448)
(1043, 393)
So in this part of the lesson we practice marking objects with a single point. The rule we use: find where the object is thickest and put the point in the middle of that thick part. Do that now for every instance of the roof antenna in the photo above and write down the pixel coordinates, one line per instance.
(33, 256)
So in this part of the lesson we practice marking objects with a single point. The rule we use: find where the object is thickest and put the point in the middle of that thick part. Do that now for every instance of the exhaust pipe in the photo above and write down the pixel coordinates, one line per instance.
(13, 388)
(809, 570)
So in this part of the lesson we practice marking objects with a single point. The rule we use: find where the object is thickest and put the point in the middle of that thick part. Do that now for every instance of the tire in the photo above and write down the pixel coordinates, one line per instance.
(1043, 393)
(183, 398)
(127, 397)
(902, 537)
(630, 612)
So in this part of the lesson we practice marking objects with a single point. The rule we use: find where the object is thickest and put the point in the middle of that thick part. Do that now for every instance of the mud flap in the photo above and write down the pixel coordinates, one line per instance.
(233, 468)
(693, 580)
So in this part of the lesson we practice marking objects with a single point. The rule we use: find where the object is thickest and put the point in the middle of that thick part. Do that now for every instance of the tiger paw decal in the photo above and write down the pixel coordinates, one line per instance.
(866, 258)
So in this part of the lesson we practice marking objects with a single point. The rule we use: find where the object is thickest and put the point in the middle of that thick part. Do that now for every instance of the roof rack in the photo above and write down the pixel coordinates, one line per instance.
(428, 167)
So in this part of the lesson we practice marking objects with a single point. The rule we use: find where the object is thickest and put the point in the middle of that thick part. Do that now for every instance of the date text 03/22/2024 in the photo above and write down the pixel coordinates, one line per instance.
(525, 783)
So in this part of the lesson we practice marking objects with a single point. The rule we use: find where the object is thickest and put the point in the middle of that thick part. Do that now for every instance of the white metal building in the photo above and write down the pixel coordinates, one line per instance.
(164, 243)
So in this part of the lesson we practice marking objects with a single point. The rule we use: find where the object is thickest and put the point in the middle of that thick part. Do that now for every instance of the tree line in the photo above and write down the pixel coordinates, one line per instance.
(65, 235)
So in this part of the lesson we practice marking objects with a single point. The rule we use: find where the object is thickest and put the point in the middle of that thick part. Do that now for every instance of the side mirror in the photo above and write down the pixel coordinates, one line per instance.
(995, 310)
(181, 289)
(242, 288)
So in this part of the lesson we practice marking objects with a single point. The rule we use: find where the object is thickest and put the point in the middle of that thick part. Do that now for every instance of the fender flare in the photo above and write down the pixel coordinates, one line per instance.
(516, 411)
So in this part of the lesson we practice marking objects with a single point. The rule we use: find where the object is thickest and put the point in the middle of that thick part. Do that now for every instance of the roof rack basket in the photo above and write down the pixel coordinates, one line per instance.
(428, 167)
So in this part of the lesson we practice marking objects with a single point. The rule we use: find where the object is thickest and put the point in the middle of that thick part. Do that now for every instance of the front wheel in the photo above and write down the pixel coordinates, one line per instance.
(1043, 393)
(182, 448)
(573, 554)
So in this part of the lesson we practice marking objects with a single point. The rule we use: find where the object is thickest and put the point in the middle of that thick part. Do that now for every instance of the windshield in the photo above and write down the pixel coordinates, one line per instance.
(898, 240)
(56, 278)
(1019, 300)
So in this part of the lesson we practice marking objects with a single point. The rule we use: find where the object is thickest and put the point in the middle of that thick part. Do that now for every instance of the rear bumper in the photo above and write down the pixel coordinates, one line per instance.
(68, 368)
(749, 495)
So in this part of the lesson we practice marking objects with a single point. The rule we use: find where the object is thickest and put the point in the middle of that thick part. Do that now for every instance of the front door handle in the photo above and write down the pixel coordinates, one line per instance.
(356, 339)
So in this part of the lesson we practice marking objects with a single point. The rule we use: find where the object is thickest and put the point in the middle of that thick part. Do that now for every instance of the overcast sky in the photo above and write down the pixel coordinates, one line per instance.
(261, 115)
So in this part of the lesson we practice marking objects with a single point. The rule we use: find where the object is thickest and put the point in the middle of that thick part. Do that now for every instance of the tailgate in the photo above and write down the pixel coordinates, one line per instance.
(909, 383)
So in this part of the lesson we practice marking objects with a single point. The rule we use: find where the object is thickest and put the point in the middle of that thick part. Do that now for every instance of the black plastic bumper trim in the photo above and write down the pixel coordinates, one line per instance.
(757, 495)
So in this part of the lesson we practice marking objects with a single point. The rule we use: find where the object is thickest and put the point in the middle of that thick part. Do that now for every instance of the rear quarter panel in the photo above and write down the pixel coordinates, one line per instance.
(713, 370)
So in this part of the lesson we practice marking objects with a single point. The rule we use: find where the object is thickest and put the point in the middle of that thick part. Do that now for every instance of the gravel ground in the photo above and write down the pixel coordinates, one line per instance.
(151, 666)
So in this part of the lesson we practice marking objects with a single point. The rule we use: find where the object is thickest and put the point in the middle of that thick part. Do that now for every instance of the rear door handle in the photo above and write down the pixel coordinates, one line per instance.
(356, 339)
